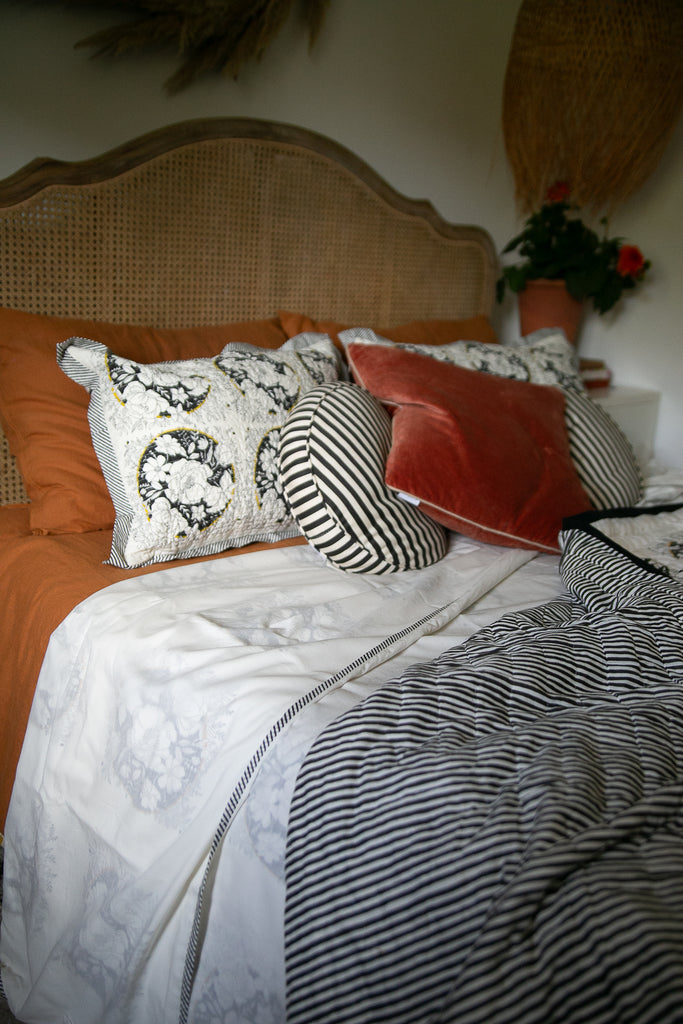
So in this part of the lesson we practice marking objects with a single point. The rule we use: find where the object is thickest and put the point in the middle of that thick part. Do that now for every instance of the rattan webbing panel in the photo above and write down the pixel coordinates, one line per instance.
(230, 226)
(12, 490)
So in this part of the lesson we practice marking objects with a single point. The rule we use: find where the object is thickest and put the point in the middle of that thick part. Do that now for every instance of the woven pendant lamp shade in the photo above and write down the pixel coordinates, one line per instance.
(593, 90)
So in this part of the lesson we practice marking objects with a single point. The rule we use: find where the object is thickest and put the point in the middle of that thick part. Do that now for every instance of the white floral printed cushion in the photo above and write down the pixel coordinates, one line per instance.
(544, 357)
(189, 449)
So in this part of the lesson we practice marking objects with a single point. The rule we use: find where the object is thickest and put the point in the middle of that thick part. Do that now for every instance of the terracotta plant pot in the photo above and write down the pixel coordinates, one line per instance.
(545, 303)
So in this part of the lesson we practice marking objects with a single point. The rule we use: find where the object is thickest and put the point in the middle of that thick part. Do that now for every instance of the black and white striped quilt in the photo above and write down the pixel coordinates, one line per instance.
(497, 836)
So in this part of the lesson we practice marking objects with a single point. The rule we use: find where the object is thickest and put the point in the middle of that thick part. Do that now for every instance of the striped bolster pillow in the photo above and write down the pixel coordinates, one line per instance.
(333, 452)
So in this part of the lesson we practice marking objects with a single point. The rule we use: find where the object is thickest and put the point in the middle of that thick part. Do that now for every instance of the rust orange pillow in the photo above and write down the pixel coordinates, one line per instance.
(419, 332)
(44, 414)
(481, 454)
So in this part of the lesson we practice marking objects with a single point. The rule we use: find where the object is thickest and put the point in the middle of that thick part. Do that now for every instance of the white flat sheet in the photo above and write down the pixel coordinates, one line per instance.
(154, 696)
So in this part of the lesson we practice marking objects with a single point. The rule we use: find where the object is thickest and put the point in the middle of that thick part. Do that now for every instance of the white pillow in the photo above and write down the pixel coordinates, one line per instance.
(189, 449)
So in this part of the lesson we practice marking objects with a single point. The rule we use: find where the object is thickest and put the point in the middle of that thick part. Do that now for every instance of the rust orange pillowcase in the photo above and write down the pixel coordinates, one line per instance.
(484, 455)
(44, 414)
(419, 332)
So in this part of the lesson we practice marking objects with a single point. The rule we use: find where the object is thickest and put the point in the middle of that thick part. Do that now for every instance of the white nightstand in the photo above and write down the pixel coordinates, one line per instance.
(635, 410)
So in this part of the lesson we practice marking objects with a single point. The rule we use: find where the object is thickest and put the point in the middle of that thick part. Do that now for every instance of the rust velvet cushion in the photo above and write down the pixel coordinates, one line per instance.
(44, 414)
(419, 332)
(484, 455)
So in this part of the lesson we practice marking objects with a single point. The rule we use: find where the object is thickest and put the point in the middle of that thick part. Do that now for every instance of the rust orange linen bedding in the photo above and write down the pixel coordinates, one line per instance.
(41, 579)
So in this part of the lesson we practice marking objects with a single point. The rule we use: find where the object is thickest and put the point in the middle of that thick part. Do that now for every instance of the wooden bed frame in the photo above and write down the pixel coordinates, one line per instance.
(218, 220)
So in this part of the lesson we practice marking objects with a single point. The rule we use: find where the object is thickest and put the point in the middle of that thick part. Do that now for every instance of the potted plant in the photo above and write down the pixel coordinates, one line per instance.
(567, 260)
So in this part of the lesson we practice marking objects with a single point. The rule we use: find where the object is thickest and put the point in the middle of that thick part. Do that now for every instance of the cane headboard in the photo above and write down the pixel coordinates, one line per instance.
(220, 220)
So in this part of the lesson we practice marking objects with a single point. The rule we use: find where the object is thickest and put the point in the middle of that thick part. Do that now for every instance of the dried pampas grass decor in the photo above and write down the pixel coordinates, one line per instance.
(593, 90)
(208, 35)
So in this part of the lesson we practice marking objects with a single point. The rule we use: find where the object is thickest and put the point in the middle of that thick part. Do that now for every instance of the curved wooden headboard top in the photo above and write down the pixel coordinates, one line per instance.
(229, 219)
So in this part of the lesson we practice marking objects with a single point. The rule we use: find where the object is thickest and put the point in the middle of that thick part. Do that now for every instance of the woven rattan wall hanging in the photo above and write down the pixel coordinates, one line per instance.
(216, 36)
(593, 90)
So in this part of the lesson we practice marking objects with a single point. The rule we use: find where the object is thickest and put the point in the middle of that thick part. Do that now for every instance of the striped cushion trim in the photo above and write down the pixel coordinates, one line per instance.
(602, 454)
(333, 452)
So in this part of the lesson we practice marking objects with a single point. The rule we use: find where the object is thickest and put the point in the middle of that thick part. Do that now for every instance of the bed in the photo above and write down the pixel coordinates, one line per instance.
(342, 643)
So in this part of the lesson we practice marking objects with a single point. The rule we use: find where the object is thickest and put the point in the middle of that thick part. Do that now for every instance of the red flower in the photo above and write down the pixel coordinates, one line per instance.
(558, 192)
(631, 261)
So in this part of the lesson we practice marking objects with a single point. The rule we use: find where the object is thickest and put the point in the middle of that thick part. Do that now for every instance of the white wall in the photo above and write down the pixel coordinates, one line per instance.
(413, 86)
